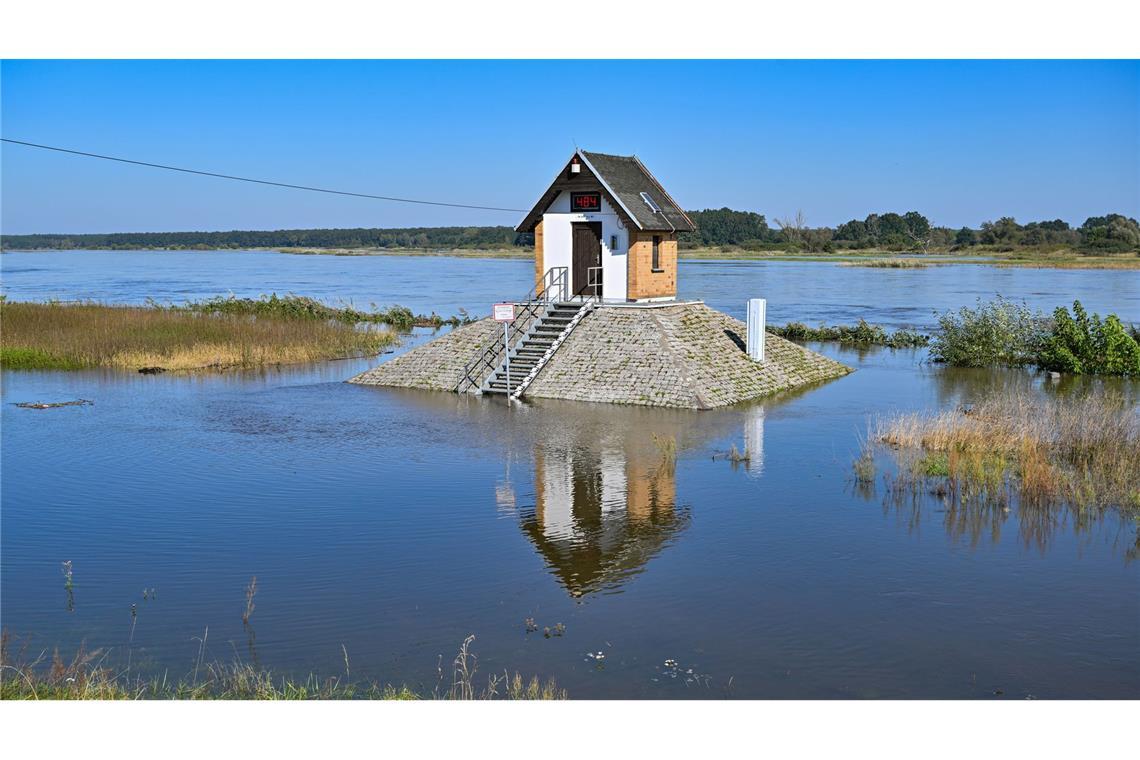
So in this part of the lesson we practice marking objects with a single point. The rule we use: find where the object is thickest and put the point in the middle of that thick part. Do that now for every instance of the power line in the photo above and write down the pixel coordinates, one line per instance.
(260, 181)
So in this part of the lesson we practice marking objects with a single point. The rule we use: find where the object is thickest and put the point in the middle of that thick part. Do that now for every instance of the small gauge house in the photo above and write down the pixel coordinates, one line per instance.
(612, 226)
(603, 321)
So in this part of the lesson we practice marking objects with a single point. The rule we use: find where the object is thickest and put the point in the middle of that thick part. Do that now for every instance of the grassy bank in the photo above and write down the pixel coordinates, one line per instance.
(1081, 452)
(85, 677)
(82, 335)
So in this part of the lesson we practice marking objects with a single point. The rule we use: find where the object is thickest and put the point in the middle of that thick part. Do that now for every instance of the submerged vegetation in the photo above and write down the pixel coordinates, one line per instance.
(1080, 452)
(302, 308)
(1000, 333)
(891, 263)
(86, 676)
(860, 333)
(73, 336)
(1005, 334)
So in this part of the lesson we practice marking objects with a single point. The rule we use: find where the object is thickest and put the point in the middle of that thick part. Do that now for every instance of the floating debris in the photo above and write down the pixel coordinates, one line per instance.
(54, 404)
(689, 676)
(531, 626)
(151, 370)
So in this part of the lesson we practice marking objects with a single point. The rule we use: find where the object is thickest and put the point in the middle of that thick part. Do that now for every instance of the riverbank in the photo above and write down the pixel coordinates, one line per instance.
(986, 255)
(72, 336)
(1058, 259)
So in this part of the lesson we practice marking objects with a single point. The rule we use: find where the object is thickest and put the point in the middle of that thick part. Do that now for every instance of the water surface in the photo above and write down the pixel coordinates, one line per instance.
(810, 292)
(394, 523)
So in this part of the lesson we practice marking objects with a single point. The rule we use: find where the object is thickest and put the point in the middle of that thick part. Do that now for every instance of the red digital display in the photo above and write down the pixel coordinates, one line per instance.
(585, 201)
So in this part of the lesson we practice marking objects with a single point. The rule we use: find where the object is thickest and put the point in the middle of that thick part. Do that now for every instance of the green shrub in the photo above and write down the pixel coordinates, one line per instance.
(1085, 345)
(998, 333)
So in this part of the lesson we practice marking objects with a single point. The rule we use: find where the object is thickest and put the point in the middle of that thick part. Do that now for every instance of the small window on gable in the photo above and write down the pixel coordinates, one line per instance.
(656, 253)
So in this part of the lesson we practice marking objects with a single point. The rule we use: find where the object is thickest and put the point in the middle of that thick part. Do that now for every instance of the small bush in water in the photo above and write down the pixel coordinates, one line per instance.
(1083, 344)
(1004, 334)
(998, 333)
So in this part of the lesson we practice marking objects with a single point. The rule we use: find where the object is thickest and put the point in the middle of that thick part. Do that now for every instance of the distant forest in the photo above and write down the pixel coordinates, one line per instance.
(725, 228)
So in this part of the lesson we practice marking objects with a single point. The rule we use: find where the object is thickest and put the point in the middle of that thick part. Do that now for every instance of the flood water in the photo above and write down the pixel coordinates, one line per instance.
(808, 292)
(395, 523)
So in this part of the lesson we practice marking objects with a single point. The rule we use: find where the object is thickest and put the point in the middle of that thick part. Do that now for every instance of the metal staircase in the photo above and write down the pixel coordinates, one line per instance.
(545, 317)
(531, 353)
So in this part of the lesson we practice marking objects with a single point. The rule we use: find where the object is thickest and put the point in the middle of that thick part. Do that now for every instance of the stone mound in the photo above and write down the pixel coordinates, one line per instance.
(685, 356)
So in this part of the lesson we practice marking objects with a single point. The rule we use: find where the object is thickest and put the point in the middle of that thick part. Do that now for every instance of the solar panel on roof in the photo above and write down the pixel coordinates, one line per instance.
(651, 203)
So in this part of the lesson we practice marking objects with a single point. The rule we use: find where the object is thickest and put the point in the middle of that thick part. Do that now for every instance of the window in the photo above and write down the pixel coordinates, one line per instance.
(657, 253)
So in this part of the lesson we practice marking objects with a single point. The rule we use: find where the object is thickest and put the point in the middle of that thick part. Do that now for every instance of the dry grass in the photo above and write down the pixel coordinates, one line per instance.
(85, 335)
(1082, 452)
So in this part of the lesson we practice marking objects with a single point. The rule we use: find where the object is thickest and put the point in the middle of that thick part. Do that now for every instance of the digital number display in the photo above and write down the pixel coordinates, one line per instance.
(585, 201)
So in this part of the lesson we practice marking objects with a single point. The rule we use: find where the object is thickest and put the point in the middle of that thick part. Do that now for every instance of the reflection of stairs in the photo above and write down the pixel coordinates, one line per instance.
(534, 349)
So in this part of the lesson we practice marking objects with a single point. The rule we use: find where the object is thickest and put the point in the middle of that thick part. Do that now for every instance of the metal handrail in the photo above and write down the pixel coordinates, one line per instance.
(551, 288)
(580, 294)
(594, 276)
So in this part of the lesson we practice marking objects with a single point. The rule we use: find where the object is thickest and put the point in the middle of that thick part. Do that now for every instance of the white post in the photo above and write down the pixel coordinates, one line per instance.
(757, 324)
(507, 354)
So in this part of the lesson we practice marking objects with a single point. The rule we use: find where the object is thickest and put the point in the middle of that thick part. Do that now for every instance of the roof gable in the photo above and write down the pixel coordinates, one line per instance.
(623, 179)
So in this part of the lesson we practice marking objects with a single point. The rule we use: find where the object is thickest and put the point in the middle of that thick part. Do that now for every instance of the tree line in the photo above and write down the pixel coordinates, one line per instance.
(408, 237)
(910, 231)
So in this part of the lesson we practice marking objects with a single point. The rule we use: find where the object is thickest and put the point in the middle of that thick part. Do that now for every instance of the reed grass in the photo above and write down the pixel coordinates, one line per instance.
(1081, 451)
(73, 336)
(87, 676)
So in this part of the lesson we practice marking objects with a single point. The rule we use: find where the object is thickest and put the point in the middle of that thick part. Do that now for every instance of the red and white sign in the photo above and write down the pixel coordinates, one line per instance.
(504, 312)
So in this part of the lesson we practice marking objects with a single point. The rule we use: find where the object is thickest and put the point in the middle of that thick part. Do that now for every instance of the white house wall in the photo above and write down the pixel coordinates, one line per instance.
(557, 243)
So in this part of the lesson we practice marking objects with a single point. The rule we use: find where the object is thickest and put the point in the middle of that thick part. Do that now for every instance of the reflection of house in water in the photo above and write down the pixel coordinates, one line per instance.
(603, 505)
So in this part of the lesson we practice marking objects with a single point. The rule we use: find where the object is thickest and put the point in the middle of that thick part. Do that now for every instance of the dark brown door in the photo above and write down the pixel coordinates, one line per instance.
(587, 254)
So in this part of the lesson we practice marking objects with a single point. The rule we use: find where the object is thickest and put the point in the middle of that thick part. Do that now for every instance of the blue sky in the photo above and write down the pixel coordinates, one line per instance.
(962, 142)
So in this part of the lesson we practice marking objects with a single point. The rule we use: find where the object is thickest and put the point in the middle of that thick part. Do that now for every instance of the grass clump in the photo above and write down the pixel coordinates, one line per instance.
(1082, 452)
(86, 676)
(72, 336)
(861, 333)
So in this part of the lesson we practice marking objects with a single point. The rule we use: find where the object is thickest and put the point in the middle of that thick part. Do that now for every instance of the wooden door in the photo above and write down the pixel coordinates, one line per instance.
(587, 253)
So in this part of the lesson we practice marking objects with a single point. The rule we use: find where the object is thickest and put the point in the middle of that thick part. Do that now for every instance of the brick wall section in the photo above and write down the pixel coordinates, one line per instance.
(539, 263)
(643, 281)
(684, 356)
(436, 365)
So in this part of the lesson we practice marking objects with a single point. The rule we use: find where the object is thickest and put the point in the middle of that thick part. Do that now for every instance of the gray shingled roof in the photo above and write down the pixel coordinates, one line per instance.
(624, 178)
(627, 178)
